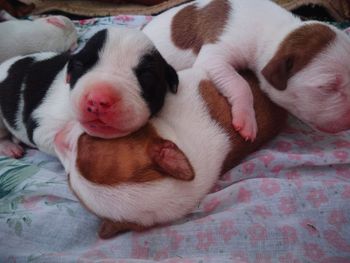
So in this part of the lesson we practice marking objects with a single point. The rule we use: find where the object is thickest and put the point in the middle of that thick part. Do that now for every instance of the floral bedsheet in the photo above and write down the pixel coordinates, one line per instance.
(287, 202)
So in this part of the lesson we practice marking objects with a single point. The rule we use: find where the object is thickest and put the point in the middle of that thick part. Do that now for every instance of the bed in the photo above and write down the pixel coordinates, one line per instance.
(287, 202)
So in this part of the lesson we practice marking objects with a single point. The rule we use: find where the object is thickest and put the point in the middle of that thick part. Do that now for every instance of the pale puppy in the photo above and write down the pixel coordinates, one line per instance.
(22, 37)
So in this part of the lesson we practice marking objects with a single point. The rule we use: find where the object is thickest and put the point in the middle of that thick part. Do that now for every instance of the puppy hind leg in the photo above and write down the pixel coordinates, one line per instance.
(7, 147)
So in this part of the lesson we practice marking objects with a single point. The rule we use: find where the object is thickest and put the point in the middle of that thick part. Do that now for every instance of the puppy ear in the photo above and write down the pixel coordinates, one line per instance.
(109, 229)
(171, 78)
(278, 71)
(169, 159)
(296, 51)
(75, 69)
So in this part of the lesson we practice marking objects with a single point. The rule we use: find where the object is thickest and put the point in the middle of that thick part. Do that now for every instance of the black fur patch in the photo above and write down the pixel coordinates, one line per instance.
(156, 77)
(86, 58)
(10, 89)
(40, 76)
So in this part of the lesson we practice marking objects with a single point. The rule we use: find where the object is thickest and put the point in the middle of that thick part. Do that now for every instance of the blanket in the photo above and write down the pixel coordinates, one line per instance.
(287, 202)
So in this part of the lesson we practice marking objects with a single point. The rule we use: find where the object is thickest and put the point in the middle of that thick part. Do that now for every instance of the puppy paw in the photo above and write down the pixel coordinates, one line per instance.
(109, 228)
(10, 149)
(244, 122)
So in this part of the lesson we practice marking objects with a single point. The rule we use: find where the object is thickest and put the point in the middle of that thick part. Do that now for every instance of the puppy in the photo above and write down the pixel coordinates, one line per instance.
(111, 86)
(161, 172)
(53, 33)
(302, 66)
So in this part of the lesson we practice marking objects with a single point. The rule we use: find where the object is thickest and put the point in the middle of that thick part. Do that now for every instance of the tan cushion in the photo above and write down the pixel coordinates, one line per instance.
(339, 9)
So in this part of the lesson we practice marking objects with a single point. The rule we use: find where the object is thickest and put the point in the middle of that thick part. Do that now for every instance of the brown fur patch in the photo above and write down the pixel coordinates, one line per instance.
(140, 157)
(296, 51)
(192, 27)
(109, 228)
(114, 161)
(270, 118)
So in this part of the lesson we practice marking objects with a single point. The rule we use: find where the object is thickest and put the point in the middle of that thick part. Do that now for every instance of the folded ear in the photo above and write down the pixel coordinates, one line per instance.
(171, 78)
(296, 51)
(169, 159)
(278, 71)
(109, 229)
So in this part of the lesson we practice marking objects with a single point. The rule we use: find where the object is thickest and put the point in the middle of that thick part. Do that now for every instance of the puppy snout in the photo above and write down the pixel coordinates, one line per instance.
(98, 105)
(100, 100)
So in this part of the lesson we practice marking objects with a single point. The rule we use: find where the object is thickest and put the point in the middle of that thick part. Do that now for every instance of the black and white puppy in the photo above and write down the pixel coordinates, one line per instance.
(111, 86)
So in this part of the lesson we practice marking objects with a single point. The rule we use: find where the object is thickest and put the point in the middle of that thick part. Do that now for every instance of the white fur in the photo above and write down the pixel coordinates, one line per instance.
(52, 114)
(193, 130)
(251, 37)
(21, 37)
(121, 54)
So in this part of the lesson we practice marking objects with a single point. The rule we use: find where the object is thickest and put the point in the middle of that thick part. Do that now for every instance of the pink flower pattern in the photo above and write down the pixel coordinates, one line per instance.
(270, 187)
(316, 197)
(342, 143)
(257, 233)
(287, 205)
(313, 251)
(211, 204)
(262, 211)
(335, 239)
(227, 230)
(289, 235)
(284, 146)
(341, 155)
(346, 192)
(266, 159)
(244, 195)
(205, 240)
(337, 218)
(248, 168)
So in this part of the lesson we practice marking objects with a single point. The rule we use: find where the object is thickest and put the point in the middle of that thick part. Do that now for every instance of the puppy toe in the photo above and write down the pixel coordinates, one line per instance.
(245, 124)
(10, 149)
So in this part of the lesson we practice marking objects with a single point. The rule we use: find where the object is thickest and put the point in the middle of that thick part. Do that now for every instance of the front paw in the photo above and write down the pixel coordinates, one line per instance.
(10, 149)
(244, 122)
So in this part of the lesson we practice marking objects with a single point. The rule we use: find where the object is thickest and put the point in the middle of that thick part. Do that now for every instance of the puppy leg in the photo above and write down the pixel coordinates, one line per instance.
(109, 228)
(233, 87)
(7, 147)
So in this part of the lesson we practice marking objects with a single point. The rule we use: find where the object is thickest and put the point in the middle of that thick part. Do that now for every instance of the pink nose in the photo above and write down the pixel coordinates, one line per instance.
(100, 100)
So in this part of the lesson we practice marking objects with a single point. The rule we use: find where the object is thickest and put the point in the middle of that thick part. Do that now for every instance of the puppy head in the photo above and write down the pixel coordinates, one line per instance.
(118, 80)
(58, 32)
(310, 76)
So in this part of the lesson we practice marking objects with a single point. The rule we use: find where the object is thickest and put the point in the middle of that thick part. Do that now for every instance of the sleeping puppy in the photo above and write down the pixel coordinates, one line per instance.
(53, 33)
(302, 66)
(111, 86)
(161, 172)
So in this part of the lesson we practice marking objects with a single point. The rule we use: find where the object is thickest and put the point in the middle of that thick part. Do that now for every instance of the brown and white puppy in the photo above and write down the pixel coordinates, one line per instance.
(302, 66)
(161, 172)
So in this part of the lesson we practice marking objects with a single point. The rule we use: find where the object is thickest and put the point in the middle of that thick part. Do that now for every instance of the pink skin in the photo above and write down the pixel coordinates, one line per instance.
(101, 112)
(342, 124)
(60, 141)
(11, 149)
(56, 22)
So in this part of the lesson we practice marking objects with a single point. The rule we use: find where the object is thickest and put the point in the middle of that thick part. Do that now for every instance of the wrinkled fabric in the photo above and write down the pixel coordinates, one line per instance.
(287, 202)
